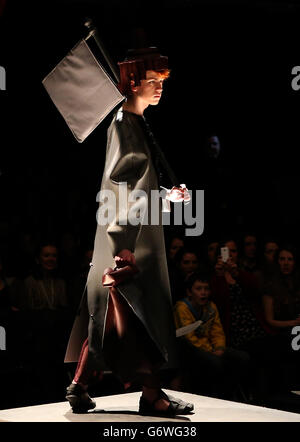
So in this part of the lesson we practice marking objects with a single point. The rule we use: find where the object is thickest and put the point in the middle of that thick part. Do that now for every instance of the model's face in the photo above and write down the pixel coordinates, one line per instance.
(150, 89)
(199, 293)
(270, 249)
(188, 263)
(286, 262)
(48, 258)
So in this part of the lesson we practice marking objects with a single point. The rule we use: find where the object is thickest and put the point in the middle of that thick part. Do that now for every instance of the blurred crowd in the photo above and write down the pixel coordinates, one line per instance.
(249, 304)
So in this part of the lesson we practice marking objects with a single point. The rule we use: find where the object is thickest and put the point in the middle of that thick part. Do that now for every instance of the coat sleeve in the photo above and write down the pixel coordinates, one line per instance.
(125, 174)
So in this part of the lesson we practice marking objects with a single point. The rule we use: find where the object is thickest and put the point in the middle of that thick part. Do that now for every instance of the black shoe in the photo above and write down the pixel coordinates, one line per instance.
(79, 399)
(176, 406)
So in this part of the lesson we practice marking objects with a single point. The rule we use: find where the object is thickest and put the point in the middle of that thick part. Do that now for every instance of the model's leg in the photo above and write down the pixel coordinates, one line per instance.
(135, 357)
(154, 401)
(83, 374)
(77, 394)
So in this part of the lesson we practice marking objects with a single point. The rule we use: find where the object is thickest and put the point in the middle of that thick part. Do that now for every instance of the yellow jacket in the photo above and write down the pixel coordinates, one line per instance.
(209, 336)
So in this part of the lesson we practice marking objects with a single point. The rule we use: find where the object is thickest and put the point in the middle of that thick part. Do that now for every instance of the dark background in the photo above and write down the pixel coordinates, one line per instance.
(231, 68)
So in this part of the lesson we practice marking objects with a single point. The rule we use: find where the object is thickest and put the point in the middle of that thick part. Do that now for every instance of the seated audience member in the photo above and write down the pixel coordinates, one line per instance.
(41, 302)
(175, 243)
(249, 253)
(281, 297)
(267, 263)
(215, 368)
(237, 296)
(281, 302)
(186, 262)
(43, 288)
(211, 247)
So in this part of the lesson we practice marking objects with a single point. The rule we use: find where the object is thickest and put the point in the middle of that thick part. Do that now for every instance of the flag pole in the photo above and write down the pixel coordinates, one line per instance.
(94, 33)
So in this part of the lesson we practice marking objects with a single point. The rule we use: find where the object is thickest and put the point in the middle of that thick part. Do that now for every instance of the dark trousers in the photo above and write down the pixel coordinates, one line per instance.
(213, 375)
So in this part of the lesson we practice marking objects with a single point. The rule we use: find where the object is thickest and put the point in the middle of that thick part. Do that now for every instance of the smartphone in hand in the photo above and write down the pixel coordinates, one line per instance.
(224, 253)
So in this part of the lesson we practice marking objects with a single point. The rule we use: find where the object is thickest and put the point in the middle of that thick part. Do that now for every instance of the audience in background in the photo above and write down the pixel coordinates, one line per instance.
(211, 367)
(175, 243)
(43, 289)
(236, 293)
(249, 253)
(209, 255)
(42, 318)
(249, 307)
(186, 262)
(267, 262)
(281, 301)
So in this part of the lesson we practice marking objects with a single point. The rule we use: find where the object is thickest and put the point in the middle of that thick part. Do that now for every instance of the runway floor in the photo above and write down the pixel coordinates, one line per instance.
(124, 408)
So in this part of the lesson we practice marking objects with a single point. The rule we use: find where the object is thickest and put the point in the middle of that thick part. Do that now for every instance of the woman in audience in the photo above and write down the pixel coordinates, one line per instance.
(186, 262)
(267, 263)
(235, 292)
(43, 314)
(281, 301)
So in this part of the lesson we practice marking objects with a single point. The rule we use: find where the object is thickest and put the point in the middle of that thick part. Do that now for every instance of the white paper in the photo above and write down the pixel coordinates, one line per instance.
(187, 329)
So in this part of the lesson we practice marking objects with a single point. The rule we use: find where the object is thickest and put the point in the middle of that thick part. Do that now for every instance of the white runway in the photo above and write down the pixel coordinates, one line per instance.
(124, 407)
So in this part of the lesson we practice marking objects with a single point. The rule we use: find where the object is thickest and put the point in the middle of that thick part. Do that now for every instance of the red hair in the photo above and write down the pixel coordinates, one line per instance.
(139, 61)
(165, 74)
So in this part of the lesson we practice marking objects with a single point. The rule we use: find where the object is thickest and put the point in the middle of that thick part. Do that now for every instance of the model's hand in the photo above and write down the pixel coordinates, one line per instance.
(178, 194)
(124, 258)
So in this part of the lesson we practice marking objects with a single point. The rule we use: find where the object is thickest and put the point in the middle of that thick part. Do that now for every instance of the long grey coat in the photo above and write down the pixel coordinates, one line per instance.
(128, 159)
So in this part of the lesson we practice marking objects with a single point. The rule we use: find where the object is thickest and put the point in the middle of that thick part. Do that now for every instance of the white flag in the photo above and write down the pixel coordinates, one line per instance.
(82, 91)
